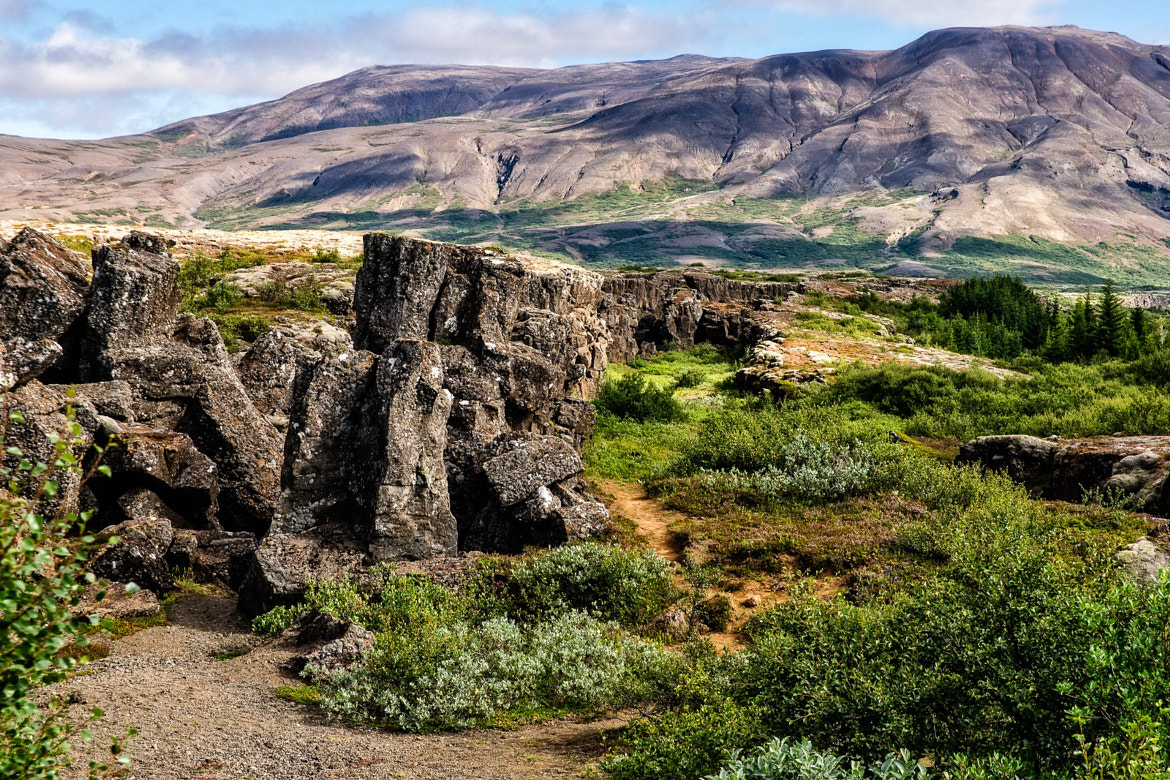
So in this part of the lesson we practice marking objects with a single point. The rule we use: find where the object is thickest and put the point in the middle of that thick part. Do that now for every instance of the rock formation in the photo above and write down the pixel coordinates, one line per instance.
(1135, 468)
(452, 421)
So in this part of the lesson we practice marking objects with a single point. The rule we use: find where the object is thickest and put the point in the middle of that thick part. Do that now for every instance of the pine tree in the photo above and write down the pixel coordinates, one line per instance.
(1056, 347)
(1082, 329)
(1112, 323)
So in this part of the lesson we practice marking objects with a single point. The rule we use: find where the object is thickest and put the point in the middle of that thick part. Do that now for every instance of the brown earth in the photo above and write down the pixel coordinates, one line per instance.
(654, 524)
(200, 718)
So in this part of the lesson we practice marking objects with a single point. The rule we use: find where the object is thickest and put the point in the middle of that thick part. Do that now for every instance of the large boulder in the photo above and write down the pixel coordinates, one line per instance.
(39, 418)
(138, 556)
(268, 369)
(42, 287)
(169, 466)
(187, 383)
(411, 513)
(1143, 561)
(1136, 468)
(22, 361)
(393, 490)
(529, 464)
(284, 563)
(133, 300)
(42, 297)
(1026, 459)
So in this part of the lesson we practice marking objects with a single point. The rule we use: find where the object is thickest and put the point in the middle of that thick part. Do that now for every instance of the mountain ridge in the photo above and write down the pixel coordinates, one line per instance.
(1009, 135)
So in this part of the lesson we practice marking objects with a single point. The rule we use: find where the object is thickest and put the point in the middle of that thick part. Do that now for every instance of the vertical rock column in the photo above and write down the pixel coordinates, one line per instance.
(412, 512)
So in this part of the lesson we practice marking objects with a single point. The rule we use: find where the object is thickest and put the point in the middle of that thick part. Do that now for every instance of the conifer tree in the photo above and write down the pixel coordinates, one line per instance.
(1112, 323)
(1082, 329)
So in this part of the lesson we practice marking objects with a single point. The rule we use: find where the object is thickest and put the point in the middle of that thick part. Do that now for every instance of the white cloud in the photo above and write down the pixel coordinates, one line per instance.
(923, 13)
(82, 80)
(16, 10)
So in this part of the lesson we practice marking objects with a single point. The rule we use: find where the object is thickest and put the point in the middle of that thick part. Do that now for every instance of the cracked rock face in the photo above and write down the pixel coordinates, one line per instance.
(455, 425)
(42, 296)
(1133, 467)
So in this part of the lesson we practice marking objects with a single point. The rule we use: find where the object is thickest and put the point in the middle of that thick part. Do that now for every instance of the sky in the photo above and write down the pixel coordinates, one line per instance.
(93, 70)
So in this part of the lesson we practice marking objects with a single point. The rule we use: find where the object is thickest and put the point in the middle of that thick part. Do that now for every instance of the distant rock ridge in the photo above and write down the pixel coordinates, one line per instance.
(1003, 133)
(452, 421)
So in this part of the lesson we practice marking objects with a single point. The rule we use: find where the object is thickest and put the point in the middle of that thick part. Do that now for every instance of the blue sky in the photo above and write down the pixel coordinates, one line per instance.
(89, 70)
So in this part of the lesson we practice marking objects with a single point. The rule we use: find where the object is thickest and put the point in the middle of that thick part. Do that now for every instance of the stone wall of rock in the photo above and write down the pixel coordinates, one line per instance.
(452, 421)
(188, 452)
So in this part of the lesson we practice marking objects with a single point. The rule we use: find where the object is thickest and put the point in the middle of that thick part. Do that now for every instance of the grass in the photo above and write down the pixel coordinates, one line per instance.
(630, 451)
(299, 694)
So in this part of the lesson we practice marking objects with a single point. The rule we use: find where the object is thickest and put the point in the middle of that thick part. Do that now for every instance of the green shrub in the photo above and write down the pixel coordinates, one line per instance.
(458, 675)
(682, 744)
(384, 600)
(690, 377)
(634, 398)
(42, 578)
(278, 619)
(714, 612)
(608, 582)
(781, 759)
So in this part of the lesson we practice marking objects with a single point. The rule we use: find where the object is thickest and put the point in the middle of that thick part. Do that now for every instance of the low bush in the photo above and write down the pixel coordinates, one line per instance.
(682, 744)
(632, 397)
(781, 759)
(458, 675)
(606, 581)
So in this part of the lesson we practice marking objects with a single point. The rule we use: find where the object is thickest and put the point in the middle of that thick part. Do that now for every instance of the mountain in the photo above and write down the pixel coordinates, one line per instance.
(1040, 151)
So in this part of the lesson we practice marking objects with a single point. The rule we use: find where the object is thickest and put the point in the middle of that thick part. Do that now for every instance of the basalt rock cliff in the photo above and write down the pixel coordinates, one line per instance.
(450, 421)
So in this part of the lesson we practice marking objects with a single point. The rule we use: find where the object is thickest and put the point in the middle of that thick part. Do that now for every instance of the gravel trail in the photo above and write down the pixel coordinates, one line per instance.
(201, 718)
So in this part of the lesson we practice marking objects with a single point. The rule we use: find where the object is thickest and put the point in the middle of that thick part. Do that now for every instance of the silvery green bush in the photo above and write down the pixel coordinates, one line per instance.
(458, 675)
(781, 759)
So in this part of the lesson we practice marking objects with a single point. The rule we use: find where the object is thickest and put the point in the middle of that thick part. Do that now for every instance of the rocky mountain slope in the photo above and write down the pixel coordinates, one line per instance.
(1044, 152)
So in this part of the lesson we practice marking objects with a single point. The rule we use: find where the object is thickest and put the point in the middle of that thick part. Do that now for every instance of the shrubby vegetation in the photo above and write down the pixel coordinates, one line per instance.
(42, 578)
(634, 398)
(978, 628)
(553, 632)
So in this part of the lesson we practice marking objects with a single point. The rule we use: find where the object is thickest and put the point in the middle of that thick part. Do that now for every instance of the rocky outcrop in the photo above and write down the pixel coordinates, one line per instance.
(165, 464)
(138, 555)
(451, 423)
(269, 367)
(42, 296)
(647, 311)
(1143, 561)
(133, 300)
(1135, 468)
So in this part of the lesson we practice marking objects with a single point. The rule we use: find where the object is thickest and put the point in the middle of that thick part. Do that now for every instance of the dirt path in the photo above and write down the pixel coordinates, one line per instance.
(653, 522)
(201, 718)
